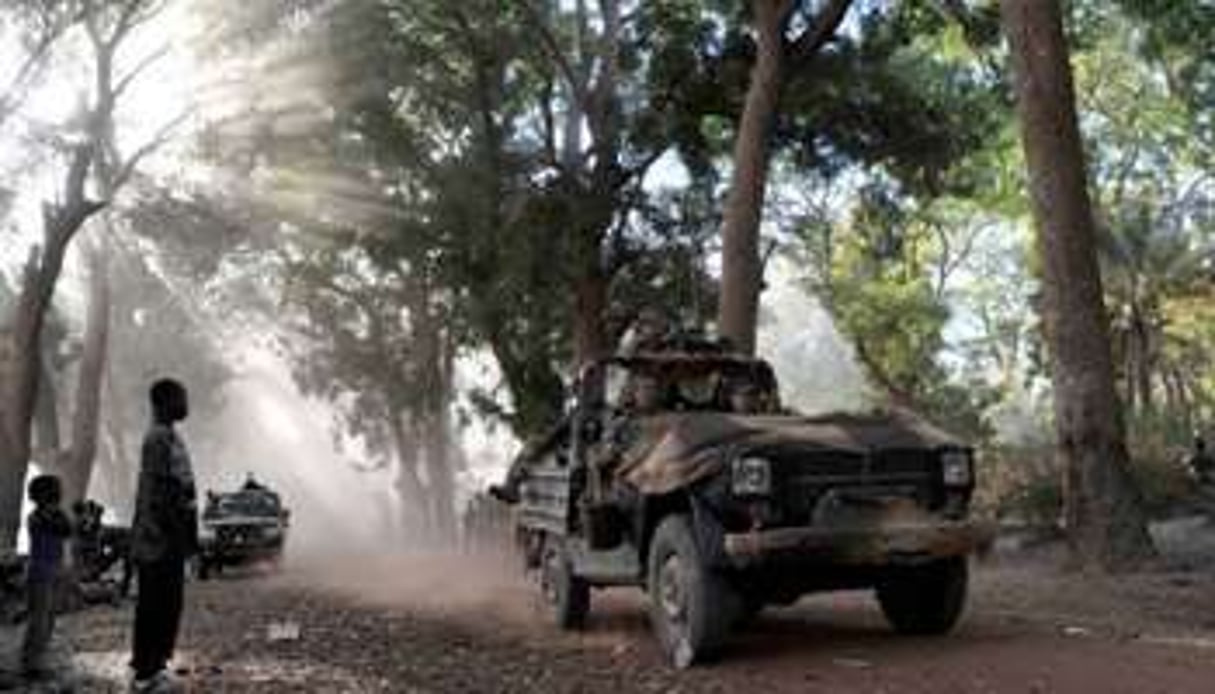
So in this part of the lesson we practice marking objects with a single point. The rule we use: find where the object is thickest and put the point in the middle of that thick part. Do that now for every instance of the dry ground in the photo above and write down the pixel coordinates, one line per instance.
(461, 624)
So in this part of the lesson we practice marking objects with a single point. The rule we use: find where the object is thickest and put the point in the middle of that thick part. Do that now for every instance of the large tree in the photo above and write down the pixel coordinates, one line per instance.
(90, 156)
(1104, 514)
(514, 147)
(776, 54)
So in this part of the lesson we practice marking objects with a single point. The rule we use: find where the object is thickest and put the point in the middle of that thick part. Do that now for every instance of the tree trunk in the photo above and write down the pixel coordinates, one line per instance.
(46, 412)
(741, 280)
(115, 474)
(86, 417)
(123, 469)
(590, 306)
(1147, 364)
(20, 389)
(1129, 364)
(409, 487)
(442, 483)
(1105, 519)
(436, 360)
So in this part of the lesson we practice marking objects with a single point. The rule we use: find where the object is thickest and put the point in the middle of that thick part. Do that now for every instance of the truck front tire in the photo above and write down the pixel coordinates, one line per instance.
(925, 599)
(692, 606)
(567, 595)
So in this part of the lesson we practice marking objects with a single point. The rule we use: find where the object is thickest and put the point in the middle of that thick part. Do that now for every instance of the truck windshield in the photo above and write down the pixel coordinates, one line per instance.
(245, 504)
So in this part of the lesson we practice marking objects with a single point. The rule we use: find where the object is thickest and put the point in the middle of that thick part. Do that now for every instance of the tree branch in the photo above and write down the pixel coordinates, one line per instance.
(126, 80)
(162, 136)
(13, 94)
(812, 40)
(128, 19)
(553, 48)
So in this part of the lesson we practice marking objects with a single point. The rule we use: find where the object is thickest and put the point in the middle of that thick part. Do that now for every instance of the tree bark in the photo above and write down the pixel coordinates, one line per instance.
(442, 483)
(20, 386)
(409, 487)
(46, 411)
(590, 302)
(437, 363)
(1129, 364)
(1147, 362)
(86, 419)
(1106, 523)
(741, 265)
(741, 280)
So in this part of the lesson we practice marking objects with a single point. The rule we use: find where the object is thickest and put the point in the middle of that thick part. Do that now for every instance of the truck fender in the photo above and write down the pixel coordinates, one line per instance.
(706, 527)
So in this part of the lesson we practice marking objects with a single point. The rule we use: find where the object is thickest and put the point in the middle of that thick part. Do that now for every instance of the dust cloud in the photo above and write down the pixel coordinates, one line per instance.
(443, 585)
(816, 367)
(270, 430)
(267, 428)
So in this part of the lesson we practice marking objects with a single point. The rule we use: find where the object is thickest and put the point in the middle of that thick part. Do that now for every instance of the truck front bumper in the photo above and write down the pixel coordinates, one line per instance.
(908, 542)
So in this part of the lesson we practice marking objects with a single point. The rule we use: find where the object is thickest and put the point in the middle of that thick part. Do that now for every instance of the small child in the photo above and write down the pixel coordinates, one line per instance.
(48, 527)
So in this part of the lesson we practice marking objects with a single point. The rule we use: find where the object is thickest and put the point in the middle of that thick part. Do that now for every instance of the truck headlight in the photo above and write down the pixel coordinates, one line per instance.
(751, 476)
(956, 469)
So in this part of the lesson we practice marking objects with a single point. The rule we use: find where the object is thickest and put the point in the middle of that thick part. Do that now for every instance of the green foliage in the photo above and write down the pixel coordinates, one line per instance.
(447, 118)
(891, 314)
(1160, 446)
(882, 284)
(459, 110)
(1151, 154)
(1020, 484)
(1178, 37)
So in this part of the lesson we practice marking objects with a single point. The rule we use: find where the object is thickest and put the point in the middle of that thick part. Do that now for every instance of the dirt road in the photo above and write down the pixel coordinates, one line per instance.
(455, 624)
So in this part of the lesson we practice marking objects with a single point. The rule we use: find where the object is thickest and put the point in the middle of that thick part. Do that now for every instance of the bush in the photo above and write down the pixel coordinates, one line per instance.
(1019, 484)
(1159, 454)
(1024, 484)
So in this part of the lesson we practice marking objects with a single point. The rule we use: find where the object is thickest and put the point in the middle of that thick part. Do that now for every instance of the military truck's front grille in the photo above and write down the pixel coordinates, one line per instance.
(800, 479)
(239, 535)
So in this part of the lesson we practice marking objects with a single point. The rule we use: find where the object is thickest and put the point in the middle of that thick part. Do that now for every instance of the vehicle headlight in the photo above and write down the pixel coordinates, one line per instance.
(206, 533)
(751, 476)
(956, 469)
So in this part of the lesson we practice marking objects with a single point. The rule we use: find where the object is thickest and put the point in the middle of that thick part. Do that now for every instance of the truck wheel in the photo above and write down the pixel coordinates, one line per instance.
(568, 595)
(924, 599)
(692, 606)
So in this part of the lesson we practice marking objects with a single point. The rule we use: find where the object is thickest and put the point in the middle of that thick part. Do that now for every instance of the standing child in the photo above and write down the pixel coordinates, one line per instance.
(164, 535)
(48, 527)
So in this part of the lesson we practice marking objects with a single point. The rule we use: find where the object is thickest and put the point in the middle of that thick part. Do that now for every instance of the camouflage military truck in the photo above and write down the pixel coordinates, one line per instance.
(678, 471)
(241, 527)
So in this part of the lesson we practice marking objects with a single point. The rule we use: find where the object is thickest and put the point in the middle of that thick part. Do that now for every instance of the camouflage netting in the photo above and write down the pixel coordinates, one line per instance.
(676, 450)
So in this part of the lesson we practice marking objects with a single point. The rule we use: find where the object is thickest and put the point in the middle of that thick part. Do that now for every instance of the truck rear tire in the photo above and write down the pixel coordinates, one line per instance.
(567, 595)
(692, 606)
(925, 599)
